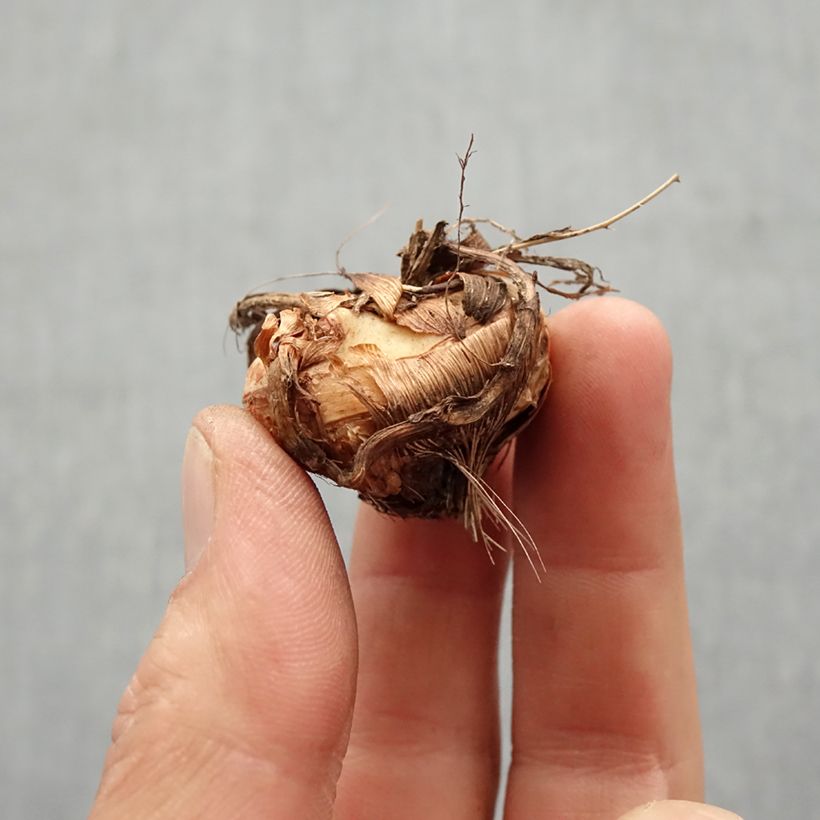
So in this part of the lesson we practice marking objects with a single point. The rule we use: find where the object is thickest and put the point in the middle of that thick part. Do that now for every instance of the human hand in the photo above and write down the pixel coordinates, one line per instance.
(243, 705)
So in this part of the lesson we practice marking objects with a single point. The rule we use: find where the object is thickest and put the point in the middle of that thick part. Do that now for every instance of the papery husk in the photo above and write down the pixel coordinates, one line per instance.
(405, 388)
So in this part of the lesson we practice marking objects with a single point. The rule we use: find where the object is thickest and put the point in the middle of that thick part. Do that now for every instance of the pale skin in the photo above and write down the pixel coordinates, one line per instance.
(279, 685)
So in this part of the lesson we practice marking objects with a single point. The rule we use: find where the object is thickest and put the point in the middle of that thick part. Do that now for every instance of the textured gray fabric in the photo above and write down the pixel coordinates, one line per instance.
(158, 159)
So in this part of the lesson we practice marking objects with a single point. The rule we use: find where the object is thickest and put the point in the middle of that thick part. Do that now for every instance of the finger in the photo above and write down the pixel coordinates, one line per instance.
(604, 709)
(424, 741)
(678, 810)
(241, 705)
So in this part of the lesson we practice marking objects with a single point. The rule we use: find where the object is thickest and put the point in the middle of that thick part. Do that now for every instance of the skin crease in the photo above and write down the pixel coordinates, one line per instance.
(243, 705)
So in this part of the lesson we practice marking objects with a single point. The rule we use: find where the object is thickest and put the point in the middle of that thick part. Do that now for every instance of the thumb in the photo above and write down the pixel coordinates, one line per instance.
(678, 810)
(241, 705)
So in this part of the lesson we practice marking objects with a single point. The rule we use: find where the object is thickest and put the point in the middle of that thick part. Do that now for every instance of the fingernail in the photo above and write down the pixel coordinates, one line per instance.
(197, 496)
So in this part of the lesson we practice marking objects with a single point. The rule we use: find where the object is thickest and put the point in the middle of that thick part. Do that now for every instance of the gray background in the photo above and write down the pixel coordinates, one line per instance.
(159, 159)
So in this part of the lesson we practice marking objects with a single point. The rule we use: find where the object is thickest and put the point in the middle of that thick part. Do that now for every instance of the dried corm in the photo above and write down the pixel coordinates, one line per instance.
(406, 388)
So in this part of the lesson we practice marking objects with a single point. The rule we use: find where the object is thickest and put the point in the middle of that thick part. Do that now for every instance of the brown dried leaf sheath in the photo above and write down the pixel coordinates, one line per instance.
(404, 389)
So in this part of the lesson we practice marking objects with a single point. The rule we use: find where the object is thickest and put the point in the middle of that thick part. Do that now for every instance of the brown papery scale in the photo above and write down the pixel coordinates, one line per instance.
(406, 388)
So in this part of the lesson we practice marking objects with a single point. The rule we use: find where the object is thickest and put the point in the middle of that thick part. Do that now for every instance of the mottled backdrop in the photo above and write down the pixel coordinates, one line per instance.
(158, 159)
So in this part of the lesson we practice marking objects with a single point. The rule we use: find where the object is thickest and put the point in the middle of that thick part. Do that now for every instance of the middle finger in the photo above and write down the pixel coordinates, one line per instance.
(425, 738)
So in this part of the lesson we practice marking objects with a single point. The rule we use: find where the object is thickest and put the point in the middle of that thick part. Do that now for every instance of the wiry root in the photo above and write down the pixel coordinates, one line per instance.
(483, 500)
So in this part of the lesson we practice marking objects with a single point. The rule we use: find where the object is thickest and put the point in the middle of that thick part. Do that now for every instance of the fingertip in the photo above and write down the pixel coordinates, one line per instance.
(262, 494)
(237, 438)
(612, 345)
(678, 810)
(612, 368)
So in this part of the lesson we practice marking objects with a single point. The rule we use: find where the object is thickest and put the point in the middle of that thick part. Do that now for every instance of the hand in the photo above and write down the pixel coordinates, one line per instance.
(243, 705)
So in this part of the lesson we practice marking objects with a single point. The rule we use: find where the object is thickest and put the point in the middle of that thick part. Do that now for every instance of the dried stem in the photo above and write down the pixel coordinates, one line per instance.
(571, 233)
(462, 161)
